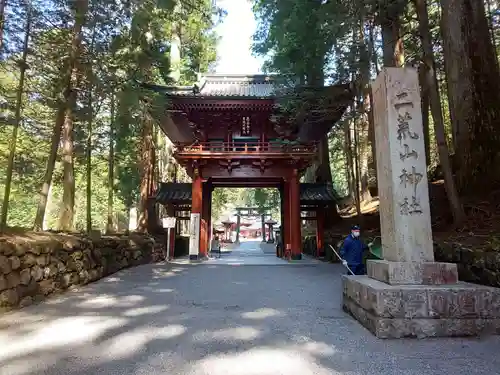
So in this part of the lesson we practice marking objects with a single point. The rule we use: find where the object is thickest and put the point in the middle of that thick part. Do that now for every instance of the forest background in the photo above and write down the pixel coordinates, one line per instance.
(80, 144)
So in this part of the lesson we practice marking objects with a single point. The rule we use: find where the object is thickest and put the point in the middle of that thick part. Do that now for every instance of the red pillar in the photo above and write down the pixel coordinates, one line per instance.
(320, 232)
(204, 223)
(287, 243)
(294, 203)
(196, 210)
(208, 203)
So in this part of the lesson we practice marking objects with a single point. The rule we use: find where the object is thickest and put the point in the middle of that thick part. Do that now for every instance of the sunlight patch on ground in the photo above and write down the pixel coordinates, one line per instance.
(106, 301)
(111, 279)
(155, 289)
(19, 319)
(145, 310)
(366, 208)
(29, 365)
(262, 313)
(164, 274)
(133, 341)
(319, 349)
(229, 334)
(58, 333)
(262, 361)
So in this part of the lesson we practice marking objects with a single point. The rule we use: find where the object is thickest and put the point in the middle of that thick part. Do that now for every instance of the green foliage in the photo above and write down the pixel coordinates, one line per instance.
(268, 198)
(338, 41)
(123, 43)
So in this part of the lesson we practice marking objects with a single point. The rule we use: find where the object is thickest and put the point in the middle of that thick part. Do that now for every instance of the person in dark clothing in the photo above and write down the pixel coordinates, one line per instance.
(352, 252)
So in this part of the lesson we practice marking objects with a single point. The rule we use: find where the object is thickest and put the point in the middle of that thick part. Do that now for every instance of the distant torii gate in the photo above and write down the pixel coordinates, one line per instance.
(251, 212)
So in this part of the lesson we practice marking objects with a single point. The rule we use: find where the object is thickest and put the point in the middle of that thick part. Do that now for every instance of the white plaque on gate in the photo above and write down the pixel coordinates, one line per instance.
(194, 234)
(168, 222)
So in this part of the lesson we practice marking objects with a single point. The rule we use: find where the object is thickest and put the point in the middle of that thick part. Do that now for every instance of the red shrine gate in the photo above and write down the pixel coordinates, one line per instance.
(225, 137)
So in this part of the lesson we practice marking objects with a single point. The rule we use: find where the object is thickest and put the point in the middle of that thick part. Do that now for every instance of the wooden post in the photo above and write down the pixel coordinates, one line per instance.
(294, 203)
(209, 217)
(204, 222)
(282, 227)
(196, 210)
(263, 219)
(238, 223)
(320, 231)
(286, 217)
(171, 249)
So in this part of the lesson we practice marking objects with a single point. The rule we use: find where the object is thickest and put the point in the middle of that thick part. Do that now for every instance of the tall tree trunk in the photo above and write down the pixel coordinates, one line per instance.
(425, 111)
(473, 81)
(431, 83)
(492, 29)
(111, 165)
(371, 120)
(393, 49)
(323, 172)
(371, 47)
(88, 162)
(357, 196)
(68, 201)
(88, 150)
(49, 170)
(349, 160)
(147, 175)
(19, 103)
(364, 118)
(3, 5)
(364, 148)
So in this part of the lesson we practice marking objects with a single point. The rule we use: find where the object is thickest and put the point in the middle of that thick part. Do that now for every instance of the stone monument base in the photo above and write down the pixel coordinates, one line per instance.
(404, 273)
(397, 311)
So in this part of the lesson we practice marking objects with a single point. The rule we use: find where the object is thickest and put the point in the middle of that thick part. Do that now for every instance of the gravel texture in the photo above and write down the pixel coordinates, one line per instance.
(220, 318)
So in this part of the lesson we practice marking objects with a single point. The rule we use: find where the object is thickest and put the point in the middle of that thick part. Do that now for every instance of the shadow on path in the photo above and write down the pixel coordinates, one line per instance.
(219, 319)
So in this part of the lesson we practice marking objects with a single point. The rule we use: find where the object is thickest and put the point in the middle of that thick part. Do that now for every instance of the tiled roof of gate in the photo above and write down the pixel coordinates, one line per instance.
(258, 86)
(172, 192)
(318, 192)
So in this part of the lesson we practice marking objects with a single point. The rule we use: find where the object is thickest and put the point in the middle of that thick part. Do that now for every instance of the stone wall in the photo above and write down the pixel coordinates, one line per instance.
(35, 265)
(481, 266)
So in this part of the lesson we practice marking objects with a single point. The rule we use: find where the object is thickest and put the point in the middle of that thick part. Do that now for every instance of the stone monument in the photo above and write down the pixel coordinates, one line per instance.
(408, 294)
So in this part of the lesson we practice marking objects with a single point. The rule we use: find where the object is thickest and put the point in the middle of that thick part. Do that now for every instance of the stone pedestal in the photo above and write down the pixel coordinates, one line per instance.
(397, 311)
(413, 273)
(408, 294)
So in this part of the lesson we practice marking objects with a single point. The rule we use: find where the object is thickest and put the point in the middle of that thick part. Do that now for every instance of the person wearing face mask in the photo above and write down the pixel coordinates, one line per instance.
(352, 251)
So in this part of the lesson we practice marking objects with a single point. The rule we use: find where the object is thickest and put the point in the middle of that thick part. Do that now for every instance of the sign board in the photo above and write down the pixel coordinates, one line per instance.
(168, 222)
(132, 221)
(194, 234)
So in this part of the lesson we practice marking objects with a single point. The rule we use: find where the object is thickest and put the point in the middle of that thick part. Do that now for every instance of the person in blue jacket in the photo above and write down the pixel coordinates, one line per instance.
(352, 252)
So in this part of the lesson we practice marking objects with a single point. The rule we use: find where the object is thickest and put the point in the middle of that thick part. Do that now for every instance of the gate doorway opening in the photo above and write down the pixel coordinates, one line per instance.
(243, 213)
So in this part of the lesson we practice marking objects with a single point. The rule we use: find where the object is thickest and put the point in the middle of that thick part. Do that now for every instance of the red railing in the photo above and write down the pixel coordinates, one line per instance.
(247, 147)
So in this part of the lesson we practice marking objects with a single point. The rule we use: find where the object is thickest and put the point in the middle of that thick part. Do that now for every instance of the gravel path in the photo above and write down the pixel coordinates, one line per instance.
(216, 319)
